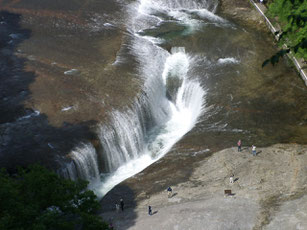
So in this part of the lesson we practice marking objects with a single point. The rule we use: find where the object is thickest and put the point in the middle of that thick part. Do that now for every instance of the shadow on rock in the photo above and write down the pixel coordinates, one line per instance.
(26, 135)
(120, 219)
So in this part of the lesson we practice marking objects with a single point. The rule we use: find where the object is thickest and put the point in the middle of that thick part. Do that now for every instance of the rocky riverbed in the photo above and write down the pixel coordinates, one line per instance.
(269, 192)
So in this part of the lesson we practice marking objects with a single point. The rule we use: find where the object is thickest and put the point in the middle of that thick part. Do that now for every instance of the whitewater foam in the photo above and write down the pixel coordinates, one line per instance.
(228, 60)
(134, 147)
(34, 114)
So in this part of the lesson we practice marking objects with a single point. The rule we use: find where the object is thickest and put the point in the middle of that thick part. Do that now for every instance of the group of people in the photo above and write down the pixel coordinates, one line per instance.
(169, 195)
(240, 148)
(231, 178)
(120, 205)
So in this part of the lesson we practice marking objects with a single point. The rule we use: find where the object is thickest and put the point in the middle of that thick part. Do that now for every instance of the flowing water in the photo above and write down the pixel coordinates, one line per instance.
(190, 62)
(171, 102)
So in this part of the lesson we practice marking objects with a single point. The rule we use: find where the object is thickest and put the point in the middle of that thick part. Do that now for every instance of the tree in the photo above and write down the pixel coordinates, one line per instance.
(292, 14)
(38, 199)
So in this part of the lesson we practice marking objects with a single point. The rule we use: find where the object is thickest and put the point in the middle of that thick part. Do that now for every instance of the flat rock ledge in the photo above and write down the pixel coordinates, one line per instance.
(269, 192)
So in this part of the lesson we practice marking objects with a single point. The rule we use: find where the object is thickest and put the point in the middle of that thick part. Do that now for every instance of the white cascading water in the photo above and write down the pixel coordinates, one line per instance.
(84, 164)
(190, 13)
(168, 108)
(130, 146)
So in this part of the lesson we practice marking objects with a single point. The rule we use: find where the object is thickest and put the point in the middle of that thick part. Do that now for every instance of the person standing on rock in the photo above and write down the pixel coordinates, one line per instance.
(254, 150)
(231, 178)
(117, 207)
(169, 192)
(149, 210)
(122, 204)
(239, 145)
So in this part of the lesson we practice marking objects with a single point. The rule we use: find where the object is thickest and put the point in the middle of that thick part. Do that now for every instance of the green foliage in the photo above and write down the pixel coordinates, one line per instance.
(38, 199)
(292, 14)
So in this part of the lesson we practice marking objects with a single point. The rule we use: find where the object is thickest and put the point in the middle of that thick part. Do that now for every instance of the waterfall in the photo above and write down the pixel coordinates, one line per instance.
(84, 164)
(123, 139)
(169, 106)
(129, 144)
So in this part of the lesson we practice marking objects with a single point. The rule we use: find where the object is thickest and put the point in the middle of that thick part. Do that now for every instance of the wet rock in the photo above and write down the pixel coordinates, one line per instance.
(14, 36)
(31, 58)
(5, 139)
(6, 52)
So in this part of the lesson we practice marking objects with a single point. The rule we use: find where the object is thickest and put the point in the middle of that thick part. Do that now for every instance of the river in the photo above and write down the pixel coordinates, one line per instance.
(178, 80)
(200, 72)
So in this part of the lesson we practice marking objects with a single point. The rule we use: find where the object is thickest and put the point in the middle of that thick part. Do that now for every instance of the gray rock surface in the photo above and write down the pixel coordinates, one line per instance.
(292, 215)
(269, 192)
